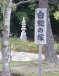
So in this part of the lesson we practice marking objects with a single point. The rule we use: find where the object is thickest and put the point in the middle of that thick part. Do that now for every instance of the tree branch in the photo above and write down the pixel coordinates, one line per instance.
(22, 2)
(50, 1)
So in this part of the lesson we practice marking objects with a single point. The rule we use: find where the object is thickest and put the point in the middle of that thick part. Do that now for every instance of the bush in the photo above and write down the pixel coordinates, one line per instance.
(26, 46)
(57, 47)
(22, 46)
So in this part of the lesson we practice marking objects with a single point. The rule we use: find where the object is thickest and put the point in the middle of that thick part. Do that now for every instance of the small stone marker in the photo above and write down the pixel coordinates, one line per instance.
(40, 31)
(23, 33)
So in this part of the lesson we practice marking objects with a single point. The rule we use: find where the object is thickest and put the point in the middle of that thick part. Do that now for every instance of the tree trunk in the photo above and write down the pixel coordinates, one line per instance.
(50, 52)
(5, 40)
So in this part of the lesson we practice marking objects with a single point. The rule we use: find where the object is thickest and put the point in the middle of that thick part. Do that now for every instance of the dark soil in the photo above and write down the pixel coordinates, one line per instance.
(12, 74)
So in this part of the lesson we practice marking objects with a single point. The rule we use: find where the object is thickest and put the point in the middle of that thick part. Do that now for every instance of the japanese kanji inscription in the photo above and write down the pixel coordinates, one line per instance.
(40, 25)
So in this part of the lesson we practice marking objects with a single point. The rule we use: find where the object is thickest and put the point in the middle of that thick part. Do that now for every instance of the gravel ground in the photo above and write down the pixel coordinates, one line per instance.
(23, 56)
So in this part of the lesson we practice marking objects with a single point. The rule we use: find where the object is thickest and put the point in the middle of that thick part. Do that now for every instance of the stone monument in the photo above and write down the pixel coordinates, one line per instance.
(23, 33)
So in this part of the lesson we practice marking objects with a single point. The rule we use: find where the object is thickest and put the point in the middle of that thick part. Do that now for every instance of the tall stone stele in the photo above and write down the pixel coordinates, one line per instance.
(23, 33)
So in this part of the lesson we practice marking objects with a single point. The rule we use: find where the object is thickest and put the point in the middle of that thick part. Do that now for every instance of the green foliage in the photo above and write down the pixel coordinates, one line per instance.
(26, 10)
(21, 14)
(56, 15)
(26, 46)
(32, 4)
(52, 9)
(15, 27)
(13, 7)
(22, 46)
(57, 47)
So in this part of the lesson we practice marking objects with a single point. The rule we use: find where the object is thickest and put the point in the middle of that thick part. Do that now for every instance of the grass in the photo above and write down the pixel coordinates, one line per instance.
(21, 46)
(35, 74)
(51, 74)
(31, 68)
(57, 47)
(25, 46)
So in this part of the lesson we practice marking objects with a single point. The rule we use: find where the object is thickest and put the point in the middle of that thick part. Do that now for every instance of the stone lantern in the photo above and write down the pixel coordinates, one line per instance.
(23, 28)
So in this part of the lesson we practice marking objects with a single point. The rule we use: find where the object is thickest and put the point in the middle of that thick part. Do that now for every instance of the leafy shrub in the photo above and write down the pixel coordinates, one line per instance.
(22, 46)
(57, 47)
